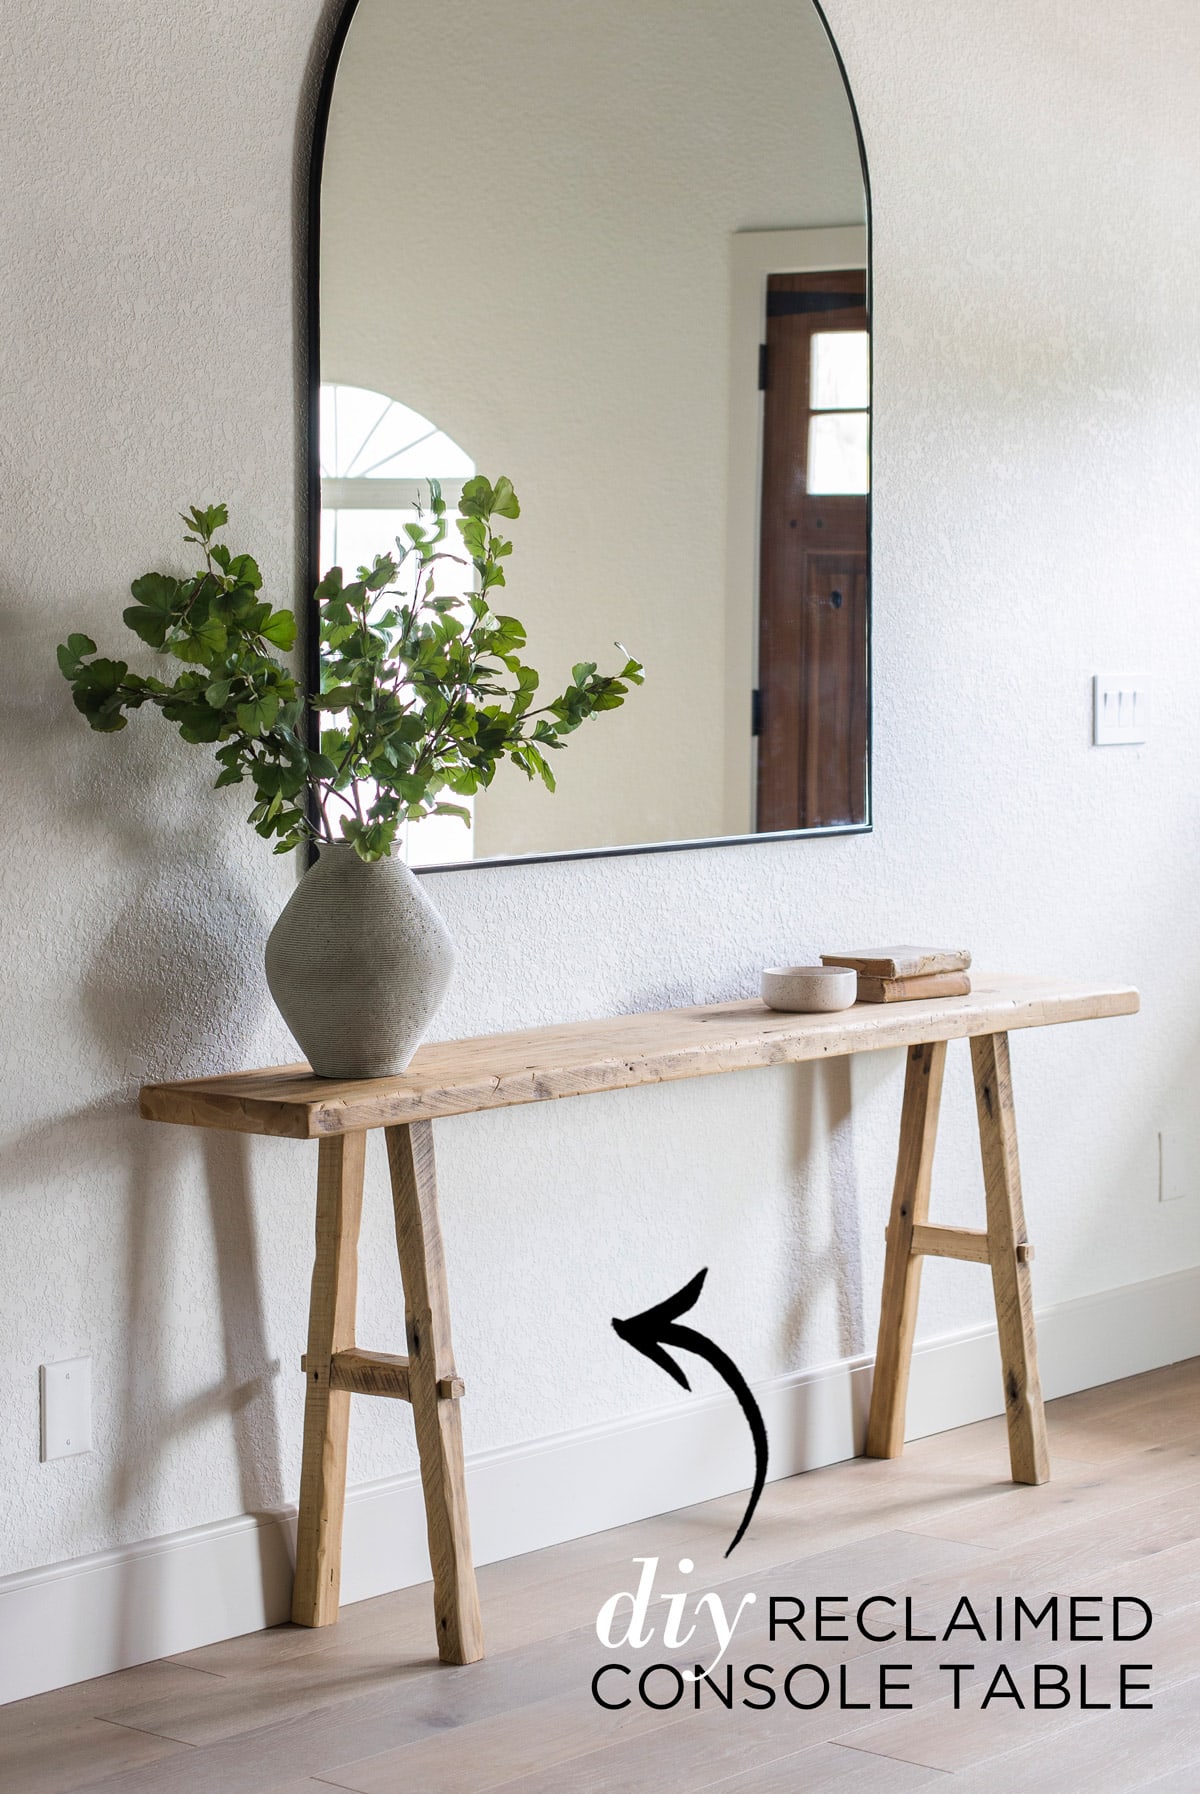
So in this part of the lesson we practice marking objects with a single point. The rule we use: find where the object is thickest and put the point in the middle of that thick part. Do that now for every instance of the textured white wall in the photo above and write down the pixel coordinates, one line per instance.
(1037, 462)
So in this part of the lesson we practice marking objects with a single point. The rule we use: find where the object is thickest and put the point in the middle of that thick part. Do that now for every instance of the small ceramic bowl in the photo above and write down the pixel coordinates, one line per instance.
(809, 989)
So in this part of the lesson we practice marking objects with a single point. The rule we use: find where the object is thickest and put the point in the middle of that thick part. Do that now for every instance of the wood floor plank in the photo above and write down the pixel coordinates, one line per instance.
(563, 1730)
(72, 1753)
(315, 1731)
(57, 1741)
(546, 1736)
(704, 1750)
(558, 1729)
(1106, 1754)
(937, 1736)
(248, 1700)
(1067, 1502)
(1184, 1780)
(830, 1769)
(1098, 1425)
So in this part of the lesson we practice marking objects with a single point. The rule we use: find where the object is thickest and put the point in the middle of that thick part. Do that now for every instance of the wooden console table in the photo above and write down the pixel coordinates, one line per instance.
(499, 1070)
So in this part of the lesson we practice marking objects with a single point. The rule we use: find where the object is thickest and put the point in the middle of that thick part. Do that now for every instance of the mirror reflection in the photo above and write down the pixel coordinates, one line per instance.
(619, 256)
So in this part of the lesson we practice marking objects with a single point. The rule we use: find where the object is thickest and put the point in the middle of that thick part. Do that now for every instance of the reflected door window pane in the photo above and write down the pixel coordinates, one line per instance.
(839, 431)
(841, 370)
(838, 453)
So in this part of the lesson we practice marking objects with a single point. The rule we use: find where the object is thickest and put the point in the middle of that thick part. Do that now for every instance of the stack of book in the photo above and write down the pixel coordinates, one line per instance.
(902, 974)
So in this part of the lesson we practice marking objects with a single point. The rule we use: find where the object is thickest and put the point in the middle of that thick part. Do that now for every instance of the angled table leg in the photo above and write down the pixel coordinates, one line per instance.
(430, 1376)
(1009, 1252)
(327, 1410)
(902, 1268)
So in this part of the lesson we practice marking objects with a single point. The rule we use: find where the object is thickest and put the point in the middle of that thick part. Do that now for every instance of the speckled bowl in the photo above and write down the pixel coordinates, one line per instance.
(809, 989)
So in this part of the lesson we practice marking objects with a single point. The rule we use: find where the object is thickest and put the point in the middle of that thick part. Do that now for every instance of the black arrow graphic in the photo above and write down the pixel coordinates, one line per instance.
(657, 1327)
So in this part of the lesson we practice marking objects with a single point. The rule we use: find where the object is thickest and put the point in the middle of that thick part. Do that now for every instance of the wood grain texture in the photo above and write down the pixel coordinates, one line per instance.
(380, 1373)
(902, 1268)
(369, 1373)
(55, 1742)
(326, 1409)
(580, 1058)
(437, 1417)
(1011, 1281)
(969, 1243)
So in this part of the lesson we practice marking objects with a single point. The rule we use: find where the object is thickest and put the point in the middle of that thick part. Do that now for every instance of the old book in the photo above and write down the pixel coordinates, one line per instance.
(907, 990)
(902, 962)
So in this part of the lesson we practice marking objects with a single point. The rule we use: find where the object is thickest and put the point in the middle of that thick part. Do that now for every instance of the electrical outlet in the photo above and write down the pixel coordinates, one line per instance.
(1120, 709)
(66, 1408)
(1175, 1175)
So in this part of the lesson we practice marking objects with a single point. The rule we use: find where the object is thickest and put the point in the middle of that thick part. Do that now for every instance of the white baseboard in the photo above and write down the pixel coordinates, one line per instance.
(105, 1612)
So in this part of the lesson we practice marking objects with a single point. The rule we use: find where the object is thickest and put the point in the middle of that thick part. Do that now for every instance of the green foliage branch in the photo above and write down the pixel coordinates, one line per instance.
(423, 695)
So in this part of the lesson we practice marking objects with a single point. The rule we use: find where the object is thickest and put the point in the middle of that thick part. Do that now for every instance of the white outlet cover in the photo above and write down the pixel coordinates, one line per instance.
(66, 1408)
(1176, 1175)
(1120, 709)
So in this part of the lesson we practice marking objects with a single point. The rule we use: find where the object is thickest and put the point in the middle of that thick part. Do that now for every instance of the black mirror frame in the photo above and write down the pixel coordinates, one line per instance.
(312, 558)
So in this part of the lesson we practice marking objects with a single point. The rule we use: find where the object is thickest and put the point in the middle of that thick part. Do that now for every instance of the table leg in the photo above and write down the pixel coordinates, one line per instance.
(902, 1268)
(436, 1415)
(1009, 1253)
(331, 1313)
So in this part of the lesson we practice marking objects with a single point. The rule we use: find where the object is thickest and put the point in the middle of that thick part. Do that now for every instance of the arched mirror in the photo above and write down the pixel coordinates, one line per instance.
(618, 254)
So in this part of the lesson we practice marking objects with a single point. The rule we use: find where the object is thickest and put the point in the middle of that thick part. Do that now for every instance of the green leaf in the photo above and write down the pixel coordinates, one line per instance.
(321, 766)
(157, 591)
(504, 499)
(340, 698)
(201, 725)
(244, 569)
(71, 652)
(382, 573)
(258, 715)
(150, 625)
(206, 522)
(474, 535)
(280, 629)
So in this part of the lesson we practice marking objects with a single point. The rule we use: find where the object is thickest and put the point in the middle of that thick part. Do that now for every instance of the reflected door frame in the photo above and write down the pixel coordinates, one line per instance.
(754, 256)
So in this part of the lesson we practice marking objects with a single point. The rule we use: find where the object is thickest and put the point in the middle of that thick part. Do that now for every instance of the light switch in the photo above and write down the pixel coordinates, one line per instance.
(1120, 709)
(66, 1408)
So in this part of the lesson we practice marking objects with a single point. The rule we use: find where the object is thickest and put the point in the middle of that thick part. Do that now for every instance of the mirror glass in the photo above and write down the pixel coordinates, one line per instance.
(618, 254)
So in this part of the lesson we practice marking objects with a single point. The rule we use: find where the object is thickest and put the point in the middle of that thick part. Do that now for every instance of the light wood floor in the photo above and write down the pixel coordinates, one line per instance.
(361, 1707)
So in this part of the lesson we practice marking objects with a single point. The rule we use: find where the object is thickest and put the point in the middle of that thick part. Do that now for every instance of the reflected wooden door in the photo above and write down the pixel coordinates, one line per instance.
(811, 714)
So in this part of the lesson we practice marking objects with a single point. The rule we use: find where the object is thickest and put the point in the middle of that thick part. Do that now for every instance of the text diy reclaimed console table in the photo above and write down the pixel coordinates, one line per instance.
(499, 1070)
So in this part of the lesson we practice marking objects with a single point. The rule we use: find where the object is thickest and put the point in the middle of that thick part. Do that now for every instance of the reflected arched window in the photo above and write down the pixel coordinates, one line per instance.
(377, 458)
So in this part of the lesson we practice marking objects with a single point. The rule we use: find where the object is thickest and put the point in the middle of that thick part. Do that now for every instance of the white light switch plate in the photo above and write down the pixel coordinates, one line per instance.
(1120, 709)
(66, 1408)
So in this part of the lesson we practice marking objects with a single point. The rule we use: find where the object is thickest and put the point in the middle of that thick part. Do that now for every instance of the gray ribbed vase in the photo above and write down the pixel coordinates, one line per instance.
(358, 963)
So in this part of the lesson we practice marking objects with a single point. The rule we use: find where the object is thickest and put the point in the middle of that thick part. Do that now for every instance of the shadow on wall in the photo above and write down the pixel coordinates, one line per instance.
(143, 959)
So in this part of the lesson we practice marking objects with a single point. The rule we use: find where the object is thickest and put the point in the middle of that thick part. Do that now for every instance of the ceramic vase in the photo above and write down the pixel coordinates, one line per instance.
(358, 963)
